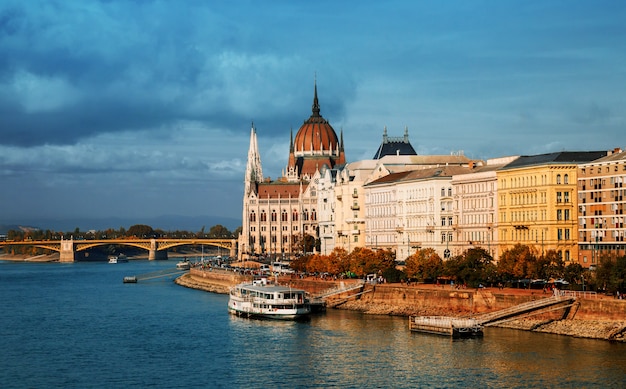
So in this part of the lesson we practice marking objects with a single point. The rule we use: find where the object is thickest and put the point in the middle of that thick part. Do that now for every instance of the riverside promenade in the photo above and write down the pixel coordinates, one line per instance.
(596, 317)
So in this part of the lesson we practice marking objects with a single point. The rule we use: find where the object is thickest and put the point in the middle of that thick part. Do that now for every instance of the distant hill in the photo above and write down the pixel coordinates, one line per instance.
(4, 228)
(164, 222)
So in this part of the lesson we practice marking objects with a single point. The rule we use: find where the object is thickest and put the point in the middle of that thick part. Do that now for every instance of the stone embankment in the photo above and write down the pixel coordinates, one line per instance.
(211, 280)
(593, 316)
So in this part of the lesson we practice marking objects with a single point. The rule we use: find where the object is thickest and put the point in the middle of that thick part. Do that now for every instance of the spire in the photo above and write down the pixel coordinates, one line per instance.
(341, 138)
(406, 134)
(291, 140)
(254, 172)
(316, 104)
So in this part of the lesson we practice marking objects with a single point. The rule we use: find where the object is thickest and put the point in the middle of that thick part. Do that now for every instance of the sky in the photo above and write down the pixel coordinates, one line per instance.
(137, 109)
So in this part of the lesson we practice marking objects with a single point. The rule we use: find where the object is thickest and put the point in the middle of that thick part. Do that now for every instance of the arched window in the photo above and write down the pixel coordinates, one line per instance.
(284, 216)
(294, 215)
(566, 179)
(252, 216)
(274, 217)
(263, 216)
(558, 179)
(313, 215)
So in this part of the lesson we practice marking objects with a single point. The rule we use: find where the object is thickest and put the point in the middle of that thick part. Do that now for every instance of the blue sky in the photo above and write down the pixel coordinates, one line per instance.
(143, 108)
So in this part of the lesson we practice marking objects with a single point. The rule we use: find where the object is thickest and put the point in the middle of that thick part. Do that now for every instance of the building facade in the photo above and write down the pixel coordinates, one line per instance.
(537, 202)
(475, 220)
(601, 206)
(280, 217)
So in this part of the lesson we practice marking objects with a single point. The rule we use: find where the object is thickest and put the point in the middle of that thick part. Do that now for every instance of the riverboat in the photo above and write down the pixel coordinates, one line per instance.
(118, 258)
(258, 299)
(183, 265)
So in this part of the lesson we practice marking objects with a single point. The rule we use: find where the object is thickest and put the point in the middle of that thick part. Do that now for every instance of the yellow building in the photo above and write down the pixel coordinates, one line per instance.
(537, 202)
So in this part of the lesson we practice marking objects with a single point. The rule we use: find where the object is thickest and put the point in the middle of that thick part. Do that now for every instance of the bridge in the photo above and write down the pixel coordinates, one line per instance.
(157, 248)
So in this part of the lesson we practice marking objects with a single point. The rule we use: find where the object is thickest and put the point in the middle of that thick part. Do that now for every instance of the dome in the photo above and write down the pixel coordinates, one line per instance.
(316, 136)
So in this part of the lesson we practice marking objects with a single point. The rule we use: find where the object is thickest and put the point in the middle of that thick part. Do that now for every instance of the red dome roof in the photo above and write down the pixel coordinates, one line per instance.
(315, 134)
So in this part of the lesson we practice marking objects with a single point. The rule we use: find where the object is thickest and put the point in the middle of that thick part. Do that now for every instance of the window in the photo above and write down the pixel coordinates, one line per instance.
(560, 234)
(294, 215)
(558, 179)
(263, 216)
(566, 196)
(252, 216)
(566, 179)
(566, 214)
(274, 216)
(449, 221)
(443, 221)
(558, 197)
(284, 216)
(559, 214)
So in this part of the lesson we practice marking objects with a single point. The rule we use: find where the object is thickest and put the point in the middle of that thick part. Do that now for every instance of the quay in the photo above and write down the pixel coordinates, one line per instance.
(594, 316)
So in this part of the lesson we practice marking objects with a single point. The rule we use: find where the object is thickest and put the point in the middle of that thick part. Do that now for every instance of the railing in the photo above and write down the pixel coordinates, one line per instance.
(339, 289)
(579, 294)
(522, 308)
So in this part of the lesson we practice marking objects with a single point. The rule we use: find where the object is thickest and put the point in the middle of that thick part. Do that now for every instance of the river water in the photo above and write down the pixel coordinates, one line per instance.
(78, 326)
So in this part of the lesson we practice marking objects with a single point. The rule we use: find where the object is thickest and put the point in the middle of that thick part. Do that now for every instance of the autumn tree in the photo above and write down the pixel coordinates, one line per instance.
(517, 263)
(424, 264)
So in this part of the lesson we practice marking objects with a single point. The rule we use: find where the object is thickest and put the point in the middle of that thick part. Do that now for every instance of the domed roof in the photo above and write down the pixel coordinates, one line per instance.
(316, 134)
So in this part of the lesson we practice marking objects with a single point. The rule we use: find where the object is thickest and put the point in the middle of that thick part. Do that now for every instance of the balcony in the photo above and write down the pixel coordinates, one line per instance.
(355, 232)
(355, 207)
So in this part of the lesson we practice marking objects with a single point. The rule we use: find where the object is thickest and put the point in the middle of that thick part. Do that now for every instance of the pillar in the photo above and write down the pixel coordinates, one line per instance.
(233, 249)
(154, 252)
(67, 253)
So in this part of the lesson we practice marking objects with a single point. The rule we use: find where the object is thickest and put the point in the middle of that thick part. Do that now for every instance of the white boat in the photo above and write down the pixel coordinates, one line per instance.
(183, 265)
(118, 258)
(257, 299)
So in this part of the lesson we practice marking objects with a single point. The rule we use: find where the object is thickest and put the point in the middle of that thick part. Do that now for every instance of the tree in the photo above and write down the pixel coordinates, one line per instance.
(474, 265)
(424, 264)
(339, 260)
(140, 231)
(517, 262)
(218, 231)
(303, 243)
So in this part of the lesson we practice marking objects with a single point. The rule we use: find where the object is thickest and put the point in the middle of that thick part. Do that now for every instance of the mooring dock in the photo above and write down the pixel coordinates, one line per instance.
(443, 325)
(466, 327)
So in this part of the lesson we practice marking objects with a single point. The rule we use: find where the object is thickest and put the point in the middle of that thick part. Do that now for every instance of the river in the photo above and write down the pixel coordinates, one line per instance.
(77, 325)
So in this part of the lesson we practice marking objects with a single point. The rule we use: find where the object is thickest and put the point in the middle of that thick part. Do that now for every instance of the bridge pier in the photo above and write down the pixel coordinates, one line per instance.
(67, 253)
(233, 249)
(154, 252)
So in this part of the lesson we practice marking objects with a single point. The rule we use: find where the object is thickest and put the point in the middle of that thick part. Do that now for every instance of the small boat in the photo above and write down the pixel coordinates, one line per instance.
(183, 265)
(258, 299)
(118, 258)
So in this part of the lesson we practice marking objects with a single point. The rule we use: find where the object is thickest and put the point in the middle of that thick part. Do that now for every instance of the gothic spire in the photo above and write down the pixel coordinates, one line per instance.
(316, 104)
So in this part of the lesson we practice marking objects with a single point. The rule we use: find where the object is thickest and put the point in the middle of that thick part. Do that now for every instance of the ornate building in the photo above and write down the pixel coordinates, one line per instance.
(279, 215)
